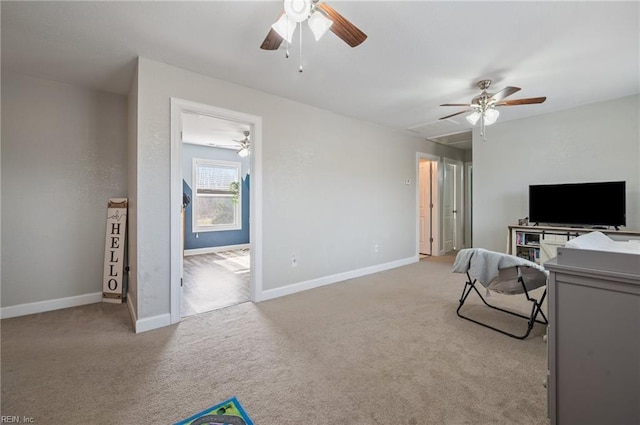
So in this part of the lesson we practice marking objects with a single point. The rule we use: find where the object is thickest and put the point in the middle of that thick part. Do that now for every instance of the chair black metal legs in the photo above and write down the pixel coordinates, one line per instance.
(536, 308)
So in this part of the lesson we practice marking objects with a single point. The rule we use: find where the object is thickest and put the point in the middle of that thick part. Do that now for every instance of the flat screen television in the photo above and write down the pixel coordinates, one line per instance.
(578, 204)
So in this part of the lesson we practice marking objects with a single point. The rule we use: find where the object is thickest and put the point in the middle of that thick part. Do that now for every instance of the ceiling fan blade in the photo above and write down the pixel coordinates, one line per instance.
(455, 104)
(341, 27)
(507, 91)
(457, 113)
(527, 101)
(273, 40)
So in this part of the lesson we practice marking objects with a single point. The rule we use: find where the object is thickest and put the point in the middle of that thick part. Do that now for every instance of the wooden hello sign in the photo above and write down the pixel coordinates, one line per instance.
(114, 251)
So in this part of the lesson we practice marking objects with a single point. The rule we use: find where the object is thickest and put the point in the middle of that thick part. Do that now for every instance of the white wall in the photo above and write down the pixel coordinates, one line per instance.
(132, 188)
(332, 186)
(63, 156)
(597, 142)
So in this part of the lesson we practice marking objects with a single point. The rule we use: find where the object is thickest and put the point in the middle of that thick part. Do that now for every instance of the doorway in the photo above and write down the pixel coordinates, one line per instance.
(428, 214)
(428, 211)
(468, 204)
(179, 110)
(452, 206)
(216, 185)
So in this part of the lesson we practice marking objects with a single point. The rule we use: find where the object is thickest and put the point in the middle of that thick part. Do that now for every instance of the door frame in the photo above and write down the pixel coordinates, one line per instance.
(458, 224)
(437, 228)
(178, 107)
(468, 204)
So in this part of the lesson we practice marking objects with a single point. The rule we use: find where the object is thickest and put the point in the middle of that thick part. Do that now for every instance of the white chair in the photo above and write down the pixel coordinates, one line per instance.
(505, 274)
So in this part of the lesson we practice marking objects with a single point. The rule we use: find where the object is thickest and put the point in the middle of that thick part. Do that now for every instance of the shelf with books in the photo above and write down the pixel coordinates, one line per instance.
(529, 253)
(540, 243)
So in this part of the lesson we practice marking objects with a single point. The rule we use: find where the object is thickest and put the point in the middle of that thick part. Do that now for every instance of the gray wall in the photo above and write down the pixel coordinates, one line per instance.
(132, 189)
(597, 142)
(63, 156)
(332, 186)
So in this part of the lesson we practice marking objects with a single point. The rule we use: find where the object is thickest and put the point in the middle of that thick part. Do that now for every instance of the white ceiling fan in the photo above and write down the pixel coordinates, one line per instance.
(320, 18)
(483, 106)
(244, 145)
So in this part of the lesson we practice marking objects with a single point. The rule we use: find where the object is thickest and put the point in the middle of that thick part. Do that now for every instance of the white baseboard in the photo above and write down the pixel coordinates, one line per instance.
(162, 320)
(132, 311)
(49, 305)
(154, 322)
(150, 323)
(335, 278)
(210, 250)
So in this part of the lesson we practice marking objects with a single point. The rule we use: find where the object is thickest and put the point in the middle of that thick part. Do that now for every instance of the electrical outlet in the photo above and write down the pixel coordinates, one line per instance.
(376, 248)
(294, 261)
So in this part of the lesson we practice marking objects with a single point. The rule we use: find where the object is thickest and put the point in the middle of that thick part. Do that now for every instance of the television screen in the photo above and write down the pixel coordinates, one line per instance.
(585, 204)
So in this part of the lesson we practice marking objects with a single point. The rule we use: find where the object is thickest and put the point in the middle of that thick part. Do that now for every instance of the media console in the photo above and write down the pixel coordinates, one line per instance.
(540, 243)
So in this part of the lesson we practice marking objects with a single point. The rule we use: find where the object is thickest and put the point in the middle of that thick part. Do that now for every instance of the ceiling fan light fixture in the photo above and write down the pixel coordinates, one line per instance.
(473, 117)
(319, 24)
(243, 152)
(483, 106)
(491, 116)
(285, 27)
(297, 10)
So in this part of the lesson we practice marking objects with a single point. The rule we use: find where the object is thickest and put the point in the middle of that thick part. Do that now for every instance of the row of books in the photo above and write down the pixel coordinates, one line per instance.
(527, 239)
(529, 254)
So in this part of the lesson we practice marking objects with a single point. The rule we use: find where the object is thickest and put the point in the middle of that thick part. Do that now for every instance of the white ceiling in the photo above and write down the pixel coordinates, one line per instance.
(418, 54)
(210, 131)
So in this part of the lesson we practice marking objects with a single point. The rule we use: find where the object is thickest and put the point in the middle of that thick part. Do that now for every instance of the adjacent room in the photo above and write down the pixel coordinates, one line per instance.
(215, 238)
(297, 179)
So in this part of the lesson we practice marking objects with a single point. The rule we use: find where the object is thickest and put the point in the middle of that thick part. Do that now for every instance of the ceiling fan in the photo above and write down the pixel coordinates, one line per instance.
(244, 145)
(319, 16)
(483, 106)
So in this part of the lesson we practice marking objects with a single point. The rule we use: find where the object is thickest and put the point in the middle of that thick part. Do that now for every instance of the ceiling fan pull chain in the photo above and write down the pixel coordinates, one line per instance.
(300, 69)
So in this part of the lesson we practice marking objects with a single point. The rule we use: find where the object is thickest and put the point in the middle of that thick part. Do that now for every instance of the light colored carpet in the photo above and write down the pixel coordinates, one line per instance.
(381, 349)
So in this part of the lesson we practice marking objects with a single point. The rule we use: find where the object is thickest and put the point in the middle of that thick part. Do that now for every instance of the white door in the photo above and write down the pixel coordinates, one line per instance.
(449, 207)
(468, 204)
(426, 205)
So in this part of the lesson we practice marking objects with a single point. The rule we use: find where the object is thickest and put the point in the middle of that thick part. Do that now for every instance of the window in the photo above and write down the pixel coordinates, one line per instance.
(217, 202)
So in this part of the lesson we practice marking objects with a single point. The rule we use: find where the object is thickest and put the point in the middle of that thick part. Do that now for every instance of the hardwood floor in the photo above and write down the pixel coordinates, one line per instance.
(216, 280)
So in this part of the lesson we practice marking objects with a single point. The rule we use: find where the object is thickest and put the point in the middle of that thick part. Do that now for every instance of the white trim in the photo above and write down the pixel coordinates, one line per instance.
(132, 312)
(335, 278)
(49, 305)
(468, 204)
(149, 323)
(212, 249)
(175, 208)
(178, 107)
(459, 203)
(154, 322)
